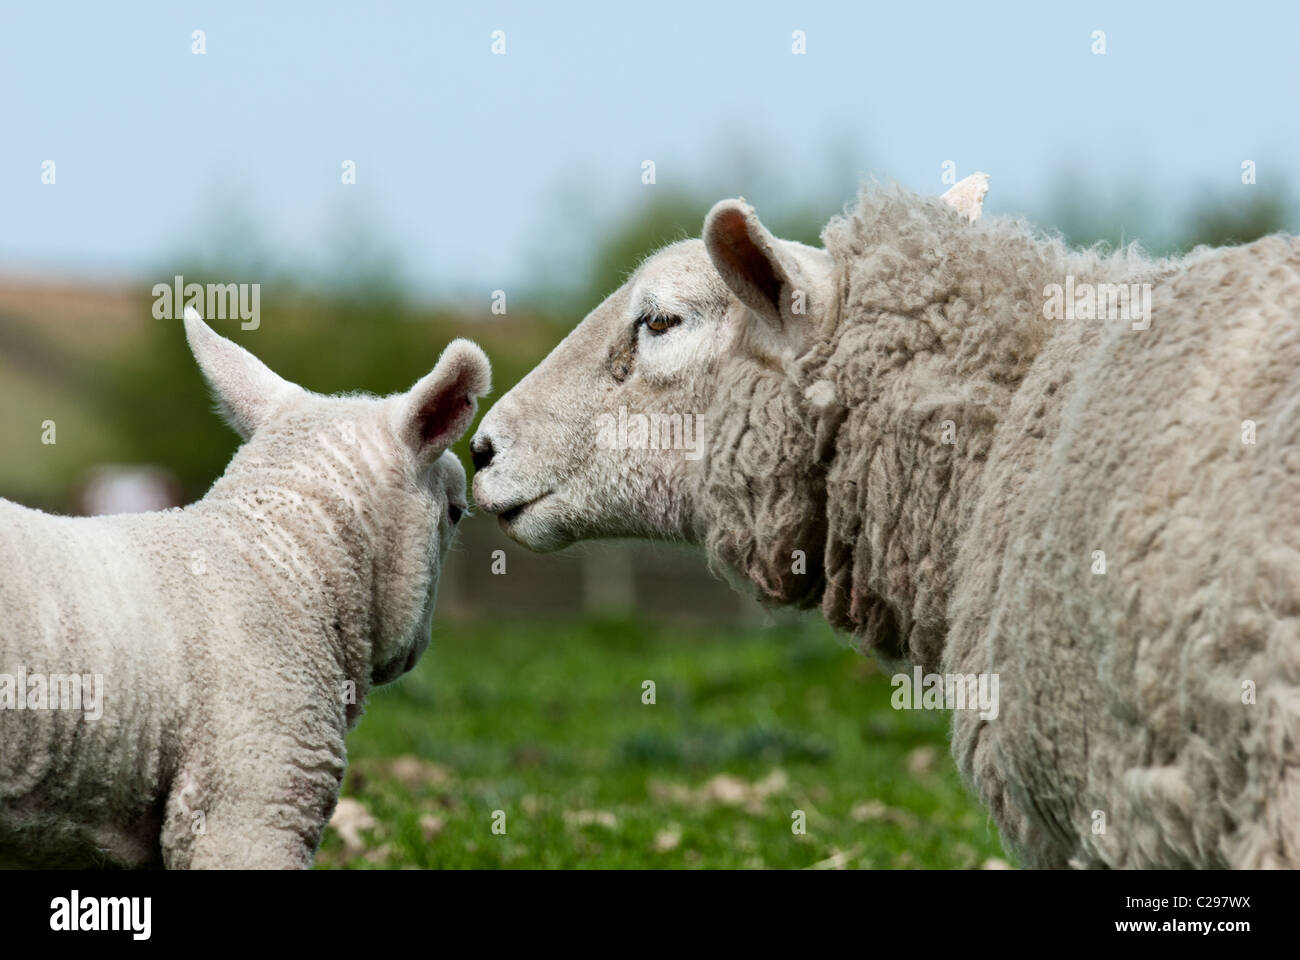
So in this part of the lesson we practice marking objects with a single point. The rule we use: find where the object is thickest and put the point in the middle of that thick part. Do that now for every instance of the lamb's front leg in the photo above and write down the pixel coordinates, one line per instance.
(255, 808)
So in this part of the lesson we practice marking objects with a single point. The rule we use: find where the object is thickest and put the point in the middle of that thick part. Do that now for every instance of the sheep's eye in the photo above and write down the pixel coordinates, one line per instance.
(657, 325)
(455, 513)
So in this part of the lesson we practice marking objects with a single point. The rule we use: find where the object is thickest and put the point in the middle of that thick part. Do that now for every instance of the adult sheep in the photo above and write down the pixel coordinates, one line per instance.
(1103, 513)
(208, 661)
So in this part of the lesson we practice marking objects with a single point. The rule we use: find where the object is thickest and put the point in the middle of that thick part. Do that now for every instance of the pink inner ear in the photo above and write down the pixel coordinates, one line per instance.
(745, 258)
(445, 417)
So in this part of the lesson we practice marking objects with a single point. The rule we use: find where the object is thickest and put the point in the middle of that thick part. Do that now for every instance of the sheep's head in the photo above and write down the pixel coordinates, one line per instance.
(678, 408)
(367, 481)
(612, 433)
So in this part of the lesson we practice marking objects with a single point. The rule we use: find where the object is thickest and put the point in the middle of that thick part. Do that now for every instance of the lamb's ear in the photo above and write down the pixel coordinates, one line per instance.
(246, 389)
(434, 413)
(967, 196)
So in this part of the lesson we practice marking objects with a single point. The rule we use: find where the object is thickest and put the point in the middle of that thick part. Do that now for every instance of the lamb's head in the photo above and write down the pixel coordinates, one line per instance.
(361, 490)
(680, 408)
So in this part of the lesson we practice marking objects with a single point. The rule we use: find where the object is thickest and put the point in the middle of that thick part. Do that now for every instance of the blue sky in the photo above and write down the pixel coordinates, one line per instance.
(471, 167)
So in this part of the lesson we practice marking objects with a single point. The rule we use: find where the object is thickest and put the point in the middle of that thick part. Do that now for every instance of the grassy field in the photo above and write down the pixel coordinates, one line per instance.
(545, 723)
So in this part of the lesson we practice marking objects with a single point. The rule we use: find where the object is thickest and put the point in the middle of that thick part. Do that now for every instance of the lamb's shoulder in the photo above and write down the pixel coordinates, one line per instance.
(259, 778)
(260, 755)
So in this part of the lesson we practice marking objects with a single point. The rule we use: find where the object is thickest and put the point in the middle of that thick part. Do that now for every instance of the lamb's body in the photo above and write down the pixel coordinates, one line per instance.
(188, 679)
(950, 462)
(236, 638)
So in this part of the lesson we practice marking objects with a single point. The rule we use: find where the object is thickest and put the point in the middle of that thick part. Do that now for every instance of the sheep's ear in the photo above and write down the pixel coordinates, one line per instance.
(781, 281)
(434, 413)
(748, 258)
(967, 197)
(246, 390)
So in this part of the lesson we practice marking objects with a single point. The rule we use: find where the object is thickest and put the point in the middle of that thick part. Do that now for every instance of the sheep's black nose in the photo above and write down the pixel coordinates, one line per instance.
(481, 452)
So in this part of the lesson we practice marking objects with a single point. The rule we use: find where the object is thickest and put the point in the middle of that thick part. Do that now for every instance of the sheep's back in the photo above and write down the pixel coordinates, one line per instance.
(1122, 692)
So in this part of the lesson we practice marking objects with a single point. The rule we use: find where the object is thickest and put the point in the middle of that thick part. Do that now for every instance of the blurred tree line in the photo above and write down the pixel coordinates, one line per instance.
(365, 338)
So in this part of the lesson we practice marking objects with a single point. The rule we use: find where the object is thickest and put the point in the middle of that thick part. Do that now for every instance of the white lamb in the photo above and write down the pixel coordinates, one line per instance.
(913, 430)
(175, 687)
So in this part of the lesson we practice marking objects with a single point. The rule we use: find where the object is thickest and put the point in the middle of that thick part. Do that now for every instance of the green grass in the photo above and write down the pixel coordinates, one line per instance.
(545, 722)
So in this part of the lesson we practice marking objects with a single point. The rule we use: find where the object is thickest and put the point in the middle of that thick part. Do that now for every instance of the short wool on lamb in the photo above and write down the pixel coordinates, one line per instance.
(236, 638)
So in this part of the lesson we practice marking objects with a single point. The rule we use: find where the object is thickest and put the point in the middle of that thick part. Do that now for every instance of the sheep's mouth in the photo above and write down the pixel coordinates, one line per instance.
(396, 667)
(511, 514)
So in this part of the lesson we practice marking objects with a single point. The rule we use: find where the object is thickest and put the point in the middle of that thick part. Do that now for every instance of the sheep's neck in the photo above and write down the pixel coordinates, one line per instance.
(912, 432)
(757, 494)
(896, 504)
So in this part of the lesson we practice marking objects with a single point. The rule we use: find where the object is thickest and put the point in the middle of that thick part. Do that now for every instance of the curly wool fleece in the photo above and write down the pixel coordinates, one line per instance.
(1150, 713)
(230, 644)
(898, 433)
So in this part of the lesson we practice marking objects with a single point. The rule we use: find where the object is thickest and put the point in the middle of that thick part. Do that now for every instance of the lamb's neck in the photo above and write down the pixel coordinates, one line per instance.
(310, 549)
